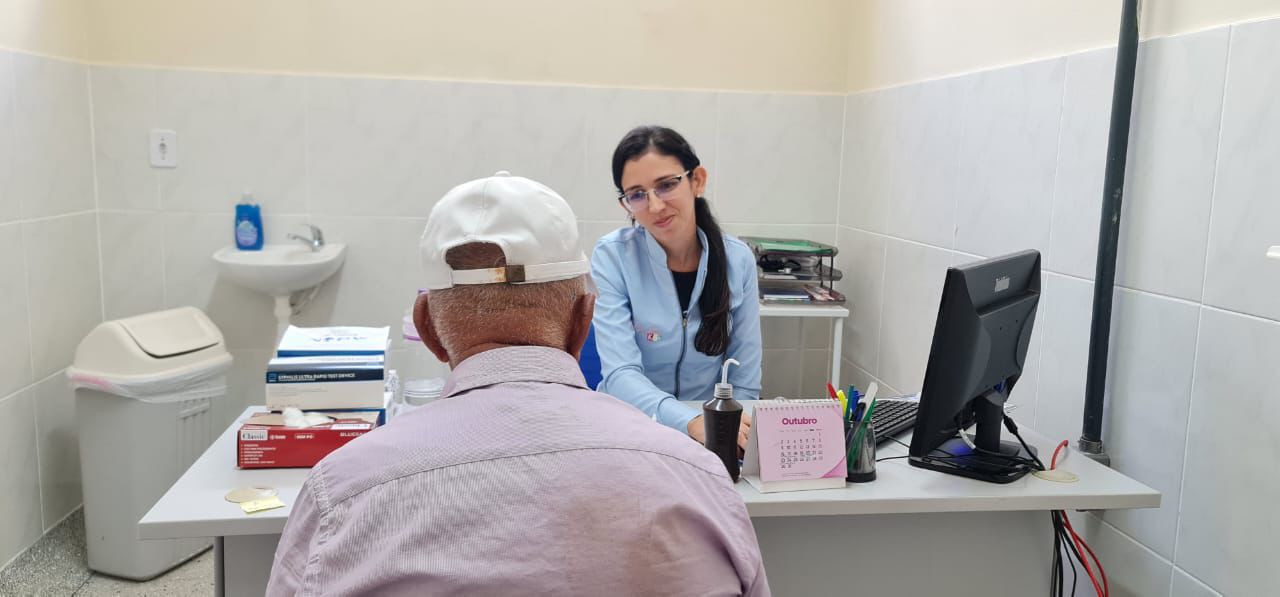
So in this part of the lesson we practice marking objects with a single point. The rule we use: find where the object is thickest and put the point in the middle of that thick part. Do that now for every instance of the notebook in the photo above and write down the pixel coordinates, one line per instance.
(796, 445)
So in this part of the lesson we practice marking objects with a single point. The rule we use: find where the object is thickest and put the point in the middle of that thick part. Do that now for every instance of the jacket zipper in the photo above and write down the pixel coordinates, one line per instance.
(684, 339)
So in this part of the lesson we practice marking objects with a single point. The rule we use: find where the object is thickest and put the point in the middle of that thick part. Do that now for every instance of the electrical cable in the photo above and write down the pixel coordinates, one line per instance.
(890, 458)
(1053, 462)
(1080, 543)
(1065, 538)
(1064, 533)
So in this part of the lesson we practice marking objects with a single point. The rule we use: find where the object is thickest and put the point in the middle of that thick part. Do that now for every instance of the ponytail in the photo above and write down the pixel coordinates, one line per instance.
(713, 335)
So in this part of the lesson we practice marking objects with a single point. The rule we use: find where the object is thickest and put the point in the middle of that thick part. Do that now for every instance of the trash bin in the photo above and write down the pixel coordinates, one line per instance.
(144, 389)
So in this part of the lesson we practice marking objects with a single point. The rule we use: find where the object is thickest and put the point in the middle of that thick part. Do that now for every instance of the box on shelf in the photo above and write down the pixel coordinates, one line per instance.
(325, 395)
(325, 382)
(264, 441)
(383, 411)
(333, 340)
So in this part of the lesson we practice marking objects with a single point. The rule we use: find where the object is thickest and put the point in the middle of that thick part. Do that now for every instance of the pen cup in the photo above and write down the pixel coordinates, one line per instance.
(862, 457)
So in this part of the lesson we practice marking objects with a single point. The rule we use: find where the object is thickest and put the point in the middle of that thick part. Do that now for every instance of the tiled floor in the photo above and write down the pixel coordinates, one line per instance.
(193, 578)
(56, 566)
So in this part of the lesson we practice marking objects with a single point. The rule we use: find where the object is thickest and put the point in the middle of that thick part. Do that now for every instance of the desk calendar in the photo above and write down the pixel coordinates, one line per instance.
(796, 445)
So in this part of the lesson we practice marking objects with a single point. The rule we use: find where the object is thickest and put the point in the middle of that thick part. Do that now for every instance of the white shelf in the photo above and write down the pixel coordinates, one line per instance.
(804, 311)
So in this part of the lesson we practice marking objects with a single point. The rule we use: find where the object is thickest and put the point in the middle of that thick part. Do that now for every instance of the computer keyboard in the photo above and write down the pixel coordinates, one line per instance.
(892, 417)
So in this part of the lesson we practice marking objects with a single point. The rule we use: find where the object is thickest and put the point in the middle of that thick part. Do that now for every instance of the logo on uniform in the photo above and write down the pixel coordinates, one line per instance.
(652, 336)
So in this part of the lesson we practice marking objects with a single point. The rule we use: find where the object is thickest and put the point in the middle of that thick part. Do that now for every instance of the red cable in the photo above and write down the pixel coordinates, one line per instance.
(1106, 588)
(1054, 463)
(1082, 547)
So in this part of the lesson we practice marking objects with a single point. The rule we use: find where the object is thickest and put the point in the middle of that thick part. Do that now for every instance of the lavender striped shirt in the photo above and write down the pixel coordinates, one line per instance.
(524, 482)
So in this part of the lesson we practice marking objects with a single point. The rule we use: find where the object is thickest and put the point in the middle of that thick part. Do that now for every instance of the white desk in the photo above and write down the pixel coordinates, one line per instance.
(837, 314)
(910, 532)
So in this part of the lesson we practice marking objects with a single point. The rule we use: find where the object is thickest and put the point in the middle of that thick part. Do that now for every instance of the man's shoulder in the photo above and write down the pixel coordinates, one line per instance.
(496, 427)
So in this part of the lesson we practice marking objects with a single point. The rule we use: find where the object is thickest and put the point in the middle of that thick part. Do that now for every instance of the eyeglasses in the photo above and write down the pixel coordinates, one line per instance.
(638, 199)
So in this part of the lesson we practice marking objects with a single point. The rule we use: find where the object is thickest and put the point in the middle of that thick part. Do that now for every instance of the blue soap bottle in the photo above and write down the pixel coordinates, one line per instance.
(248, 224)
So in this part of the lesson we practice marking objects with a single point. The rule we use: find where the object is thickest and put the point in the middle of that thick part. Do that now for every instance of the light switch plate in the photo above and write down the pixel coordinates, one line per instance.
(1274, 252)
(164, 148)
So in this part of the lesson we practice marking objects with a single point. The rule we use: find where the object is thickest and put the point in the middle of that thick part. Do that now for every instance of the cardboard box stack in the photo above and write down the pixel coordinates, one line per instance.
(337, 377)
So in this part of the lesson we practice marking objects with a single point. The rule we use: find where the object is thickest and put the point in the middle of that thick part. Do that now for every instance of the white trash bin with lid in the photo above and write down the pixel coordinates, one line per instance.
(145, 388)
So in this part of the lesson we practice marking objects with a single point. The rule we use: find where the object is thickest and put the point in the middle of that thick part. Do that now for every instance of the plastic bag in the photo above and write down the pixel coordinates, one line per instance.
(208, 380)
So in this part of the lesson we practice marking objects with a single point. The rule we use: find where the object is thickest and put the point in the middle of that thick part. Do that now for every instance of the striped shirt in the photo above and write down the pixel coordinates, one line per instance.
(522, 482)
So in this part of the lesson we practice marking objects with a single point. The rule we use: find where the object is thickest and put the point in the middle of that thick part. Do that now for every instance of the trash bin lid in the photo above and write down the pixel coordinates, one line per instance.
(151, 344)
(170, 333)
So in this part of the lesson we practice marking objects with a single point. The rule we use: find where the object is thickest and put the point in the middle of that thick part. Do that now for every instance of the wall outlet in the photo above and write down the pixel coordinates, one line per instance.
(164, 148)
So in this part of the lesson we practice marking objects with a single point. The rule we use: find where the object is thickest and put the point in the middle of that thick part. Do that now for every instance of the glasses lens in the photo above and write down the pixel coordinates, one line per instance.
(636, 199)
(667, 186)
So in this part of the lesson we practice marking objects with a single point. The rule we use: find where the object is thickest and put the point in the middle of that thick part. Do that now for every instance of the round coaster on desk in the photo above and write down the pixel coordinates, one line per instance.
(248, 494)
(1057, 475)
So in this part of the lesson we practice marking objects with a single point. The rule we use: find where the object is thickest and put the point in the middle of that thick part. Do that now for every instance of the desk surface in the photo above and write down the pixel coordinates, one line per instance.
(900, 488)
(195, 507)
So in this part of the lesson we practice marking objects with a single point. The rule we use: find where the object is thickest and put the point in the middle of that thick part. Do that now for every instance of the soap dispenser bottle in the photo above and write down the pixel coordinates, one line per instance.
(248, 224)
(721, 418)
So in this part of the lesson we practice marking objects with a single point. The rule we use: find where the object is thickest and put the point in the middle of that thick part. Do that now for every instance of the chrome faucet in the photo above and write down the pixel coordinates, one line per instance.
(316, 240)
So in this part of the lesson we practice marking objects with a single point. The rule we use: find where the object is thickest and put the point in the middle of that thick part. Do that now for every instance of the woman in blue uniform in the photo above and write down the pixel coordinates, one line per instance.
(677, 296)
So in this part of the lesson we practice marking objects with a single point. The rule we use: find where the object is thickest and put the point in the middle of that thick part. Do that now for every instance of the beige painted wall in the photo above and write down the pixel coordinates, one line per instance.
(50, 27)
(797, 45)
(892, 42)
(769, 45)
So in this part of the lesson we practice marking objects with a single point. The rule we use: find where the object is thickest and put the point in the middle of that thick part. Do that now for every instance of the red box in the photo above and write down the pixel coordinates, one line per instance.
(264, 442)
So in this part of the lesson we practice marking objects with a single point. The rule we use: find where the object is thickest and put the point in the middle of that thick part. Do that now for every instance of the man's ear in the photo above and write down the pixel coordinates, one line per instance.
(426, 328)
(580, 326)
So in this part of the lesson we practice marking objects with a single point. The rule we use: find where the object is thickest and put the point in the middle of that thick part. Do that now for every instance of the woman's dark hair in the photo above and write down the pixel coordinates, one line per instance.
(713, 336)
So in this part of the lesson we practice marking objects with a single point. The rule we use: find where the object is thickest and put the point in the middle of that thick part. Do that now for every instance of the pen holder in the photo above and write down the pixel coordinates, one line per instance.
(861, 452)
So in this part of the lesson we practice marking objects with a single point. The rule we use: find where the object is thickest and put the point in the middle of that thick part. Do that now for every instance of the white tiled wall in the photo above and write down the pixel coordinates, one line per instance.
(366, 159)
(50, 287)
(1009, 118)
(1196, 326)
(907, 181)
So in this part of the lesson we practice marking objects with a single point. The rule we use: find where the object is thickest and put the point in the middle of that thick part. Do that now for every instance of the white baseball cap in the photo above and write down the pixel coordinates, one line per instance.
(533, 225)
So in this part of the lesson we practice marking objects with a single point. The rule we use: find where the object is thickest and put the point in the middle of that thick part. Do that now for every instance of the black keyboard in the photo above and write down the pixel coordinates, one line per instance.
(892, 417)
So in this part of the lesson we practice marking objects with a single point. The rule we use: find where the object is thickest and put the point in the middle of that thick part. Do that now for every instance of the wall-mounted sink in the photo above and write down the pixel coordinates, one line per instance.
(280, 270)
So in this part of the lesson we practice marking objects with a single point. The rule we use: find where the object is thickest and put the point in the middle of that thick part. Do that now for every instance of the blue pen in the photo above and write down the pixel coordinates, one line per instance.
(857, 413)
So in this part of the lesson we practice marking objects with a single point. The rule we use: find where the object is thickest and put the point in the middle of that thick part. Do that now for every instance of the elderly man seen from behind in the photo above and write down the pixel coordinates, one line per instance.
(522, 481)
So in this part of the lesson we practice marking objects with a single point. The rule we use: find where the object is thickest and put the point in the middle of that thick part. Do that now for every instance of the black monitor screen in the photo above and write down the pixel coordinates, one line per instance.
(979, 348)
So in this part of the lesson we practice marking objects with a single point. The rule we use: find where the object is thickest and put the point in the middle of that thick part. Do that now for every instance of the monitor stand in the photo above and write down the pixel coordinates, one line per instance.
(955, 457)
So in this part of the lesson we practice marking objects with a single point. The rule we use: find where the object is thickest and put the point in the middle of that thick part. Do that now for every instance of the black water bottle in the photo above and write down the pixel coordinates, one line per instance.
(721, 418)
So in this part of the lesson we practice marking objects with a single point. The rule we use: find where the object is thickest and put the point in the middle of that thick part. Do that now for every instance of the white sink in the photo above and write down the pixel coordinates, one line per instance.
(280, 270)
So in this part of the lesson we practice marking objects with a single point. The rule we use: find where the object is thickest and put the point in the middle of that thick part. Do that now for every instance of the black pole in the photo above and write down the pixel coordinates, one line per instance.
(1109, 231)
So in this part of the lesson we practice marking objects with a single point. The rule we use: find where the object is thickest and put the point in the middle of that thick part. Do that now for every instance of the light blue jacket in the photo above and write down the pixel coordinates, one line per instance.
(646, 345)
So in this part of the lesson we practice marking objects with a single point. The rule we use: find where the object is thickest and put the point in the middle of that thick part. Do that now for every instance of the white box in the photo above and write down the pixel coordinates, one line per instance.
(326, 395)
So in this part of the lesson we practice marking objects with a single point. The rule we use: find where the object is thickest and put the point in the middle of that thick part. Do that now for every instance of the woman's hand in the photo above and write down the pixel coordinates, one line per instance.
(698, 431)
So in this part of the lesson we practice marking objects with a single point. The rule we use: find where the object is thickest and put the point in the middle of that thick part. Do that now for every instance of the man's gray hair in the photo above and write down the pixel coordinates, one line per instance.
(537, 314)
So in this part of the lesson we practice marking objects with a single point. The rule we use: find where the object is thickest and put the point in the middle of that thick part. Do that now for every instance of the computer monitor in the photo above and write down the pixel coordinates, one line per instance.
(979, 349)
